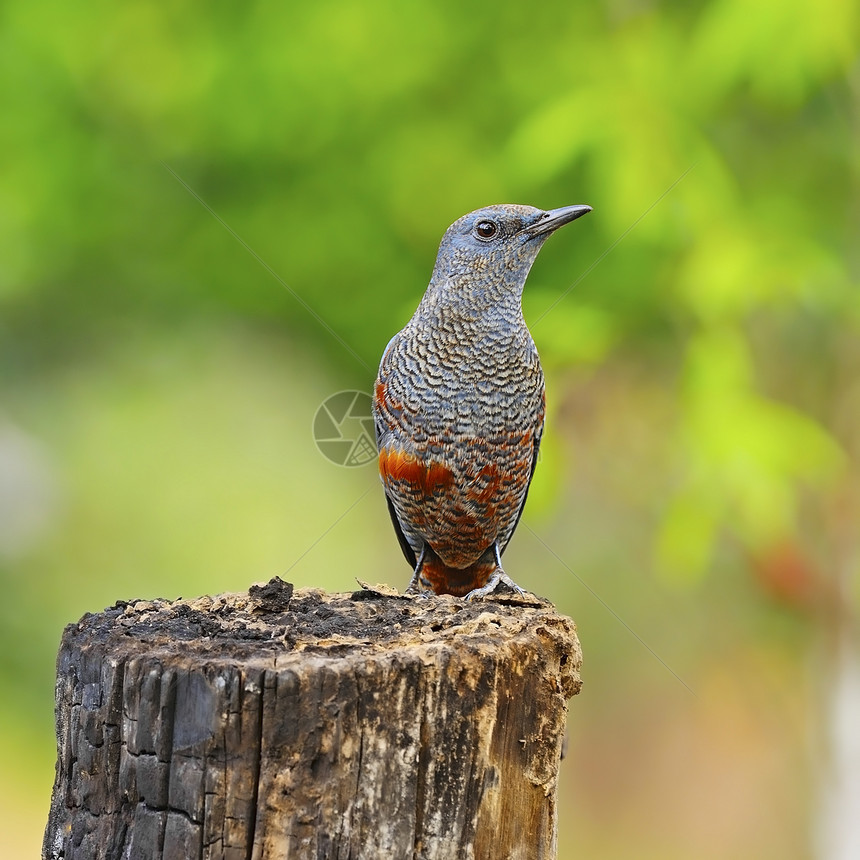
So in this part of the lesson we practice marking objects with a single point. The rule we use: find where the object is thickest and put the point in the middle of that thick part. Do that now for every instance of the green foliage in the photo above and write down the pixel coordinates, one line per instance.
(745, 458)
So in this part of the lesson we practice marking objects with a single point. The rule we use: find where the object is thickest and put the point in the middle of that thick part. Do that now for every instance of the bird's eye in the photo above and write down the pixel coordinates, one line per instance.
(486, 229)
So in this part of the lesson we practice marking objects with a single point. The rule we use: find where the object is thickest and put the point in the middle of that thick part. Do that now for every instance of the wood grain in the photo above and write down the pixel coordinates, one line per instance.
(278, 724)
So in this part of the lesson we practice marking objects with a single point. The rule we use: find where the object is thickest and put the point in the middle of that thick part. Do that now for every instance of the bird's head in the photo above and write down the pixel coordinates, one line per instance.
(485, 256)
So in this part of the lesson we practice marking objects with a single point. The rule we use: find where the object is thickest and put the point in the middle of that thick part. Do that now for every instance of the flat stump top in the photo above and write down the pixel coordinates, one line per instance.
(274, 624)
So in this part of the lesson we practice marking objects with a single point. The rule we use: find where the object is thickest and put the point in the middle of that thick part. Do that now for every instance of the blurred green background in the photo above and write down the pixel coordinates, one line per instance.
(700, 477)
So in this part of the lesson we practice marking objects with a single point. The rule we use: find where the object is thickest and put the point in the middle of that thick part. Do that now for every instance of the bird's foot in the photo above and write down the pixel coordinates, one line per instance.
(418, 585)
(497, 577)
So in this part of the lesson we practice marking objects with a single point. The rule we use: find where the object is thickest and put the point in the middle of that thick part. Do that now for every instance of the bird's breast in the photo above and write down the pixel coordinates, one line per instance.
(438, 384)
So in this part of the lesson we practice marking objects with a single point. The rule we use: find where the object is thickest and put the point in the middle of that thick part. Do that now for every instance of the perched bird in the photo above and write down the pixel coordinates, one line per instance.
(459, 403)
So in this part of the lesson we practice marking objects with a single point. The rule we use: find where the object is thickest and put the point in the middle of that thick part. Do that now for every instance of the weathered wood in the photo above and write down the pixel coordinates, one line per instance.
(274, 724)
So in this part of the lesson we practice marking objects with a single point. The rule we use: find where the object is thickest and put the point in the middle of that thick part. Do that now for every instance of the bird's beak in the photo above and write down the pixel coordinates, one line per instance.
(555, 218)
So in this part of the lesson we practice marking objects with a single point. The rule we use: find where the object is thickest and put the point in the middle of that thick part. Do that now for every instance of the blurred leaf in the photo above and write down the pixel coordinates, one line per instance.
(782, 48)
(743, 456)
(685, 541)
(570, 333)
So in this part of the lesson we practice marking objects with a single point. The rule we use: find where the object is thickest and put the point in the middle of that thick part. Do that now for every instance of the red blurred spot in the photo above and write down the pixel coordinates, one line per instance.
(787, 575)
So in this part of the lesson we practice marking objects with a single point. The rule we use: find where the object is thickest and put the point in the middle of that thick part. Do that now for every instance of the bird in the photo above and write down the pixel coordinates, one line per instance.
(459, 404)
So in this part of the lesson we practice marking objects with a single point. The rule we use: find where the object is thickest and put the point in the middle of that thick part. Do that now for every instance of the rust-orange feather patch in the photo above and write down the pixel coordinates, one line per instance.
(396, 465)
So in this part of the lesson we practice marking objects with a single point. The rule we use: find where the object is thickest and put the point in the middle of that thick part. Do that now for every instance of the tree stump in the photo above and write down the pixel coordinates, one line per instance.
(279, 724)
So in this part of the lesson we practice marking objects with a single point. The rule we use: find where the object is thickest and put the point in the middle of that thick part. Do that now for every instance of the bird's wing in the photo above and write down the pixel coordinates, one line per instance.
(503, 544)
(401, 538)
(380, 428)
(378, 395)
(387, 347)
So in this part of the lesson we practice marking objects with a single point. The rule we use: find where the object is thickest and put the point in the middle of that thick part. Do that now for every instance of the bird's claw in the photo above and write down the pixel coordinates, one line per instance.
(497, 578)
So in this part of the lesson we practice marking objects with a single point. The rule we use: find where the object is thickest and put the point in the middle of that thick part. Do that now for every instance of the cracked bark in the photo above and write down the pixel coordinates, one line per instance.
(273, 724)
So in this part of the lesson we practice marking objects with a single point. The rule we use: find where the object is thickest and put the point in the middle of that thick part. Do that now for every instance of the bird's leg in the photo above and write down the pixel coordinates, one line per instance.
(497, 577)
(414, 586)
